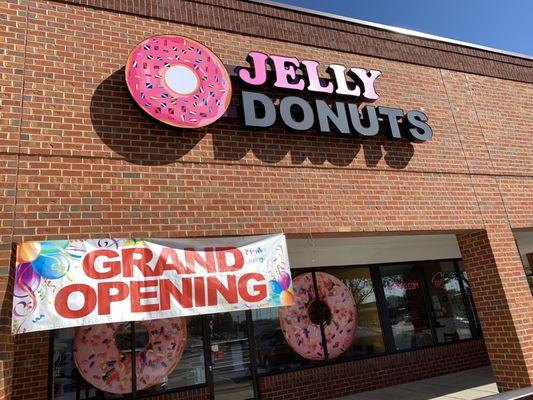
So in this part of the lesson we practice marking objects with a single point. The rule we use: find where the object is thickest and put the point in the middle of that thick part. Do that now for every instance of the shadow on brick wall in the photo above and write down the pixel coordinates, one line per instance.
(130, 132)
(127, 130)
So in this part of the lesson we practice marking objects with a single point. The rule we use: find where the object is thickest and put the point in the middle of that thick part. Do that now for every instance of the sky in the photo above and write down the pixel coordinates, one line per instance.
(500, 24)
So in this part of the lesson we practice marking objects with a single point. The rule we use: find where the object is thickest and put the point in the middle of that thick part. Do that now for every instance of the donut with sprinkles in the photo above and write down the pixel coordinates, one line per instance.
(178, 81)
(101, 363)
(303, 334)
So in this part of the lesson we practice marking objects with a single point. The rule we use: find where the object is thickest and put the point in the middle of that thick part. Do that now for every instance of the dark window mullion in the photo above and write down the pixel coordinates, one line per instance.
(322, 333)
(466, 302)
(133, 360)
(208, 360)
(430, 312)
(253, 352)
(383, 310)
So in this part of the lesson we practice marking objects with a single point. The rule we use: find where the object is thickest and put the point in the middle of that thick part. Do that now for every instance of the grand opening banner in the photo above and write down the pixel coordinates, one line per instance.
(63, 283)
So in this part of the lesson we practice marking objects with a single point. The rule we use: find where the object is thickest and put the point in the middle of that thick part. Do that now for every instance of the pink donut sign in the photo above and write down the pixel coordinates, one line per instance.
(178, 81)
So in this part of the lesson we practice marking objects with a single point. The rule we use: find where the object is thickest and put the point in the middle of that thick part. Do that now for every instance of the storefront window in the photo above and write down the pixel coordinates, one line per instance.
(345, 314)
(451, 318)
(67, 381)
(190, 367)
(94, 362)
(405, 306)
(368, 339)
(273, 351)
(337, 315)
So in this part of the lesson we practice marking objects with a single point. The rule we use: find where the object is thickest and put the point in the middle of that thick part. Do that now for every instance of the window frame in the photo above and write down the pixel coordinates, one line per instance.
(386, 328)
(381, 304)
(134, 394)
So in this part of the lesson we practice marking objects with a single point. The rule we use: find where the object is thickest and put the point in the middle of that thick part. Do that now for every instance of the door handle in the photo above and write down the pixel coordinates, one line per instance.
(210, 368)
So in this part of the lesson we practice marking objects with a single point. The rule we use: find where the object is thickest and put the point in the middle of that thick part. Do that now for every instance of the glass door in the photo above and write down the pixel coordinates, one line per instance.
(405, 305)
(233, 374)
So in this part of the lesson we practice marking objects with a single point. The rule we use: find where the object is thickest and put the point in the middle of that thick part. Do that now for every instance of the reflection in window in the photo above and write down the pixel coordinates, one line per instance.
(451, 318)
(115, 363)
(67, 381)
(190, 367)
(406, 307)
(273, 352)
(369, 338)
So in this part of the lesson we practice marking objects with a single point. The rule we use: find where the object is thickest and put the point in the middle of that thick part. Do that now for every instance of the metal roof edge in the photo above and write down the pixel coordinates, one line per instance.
(389, 28)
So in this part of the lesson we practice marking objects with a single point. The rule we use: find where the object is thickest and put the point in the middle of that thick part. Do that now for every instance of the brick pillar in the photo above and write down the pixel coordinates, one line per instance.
(503, 301)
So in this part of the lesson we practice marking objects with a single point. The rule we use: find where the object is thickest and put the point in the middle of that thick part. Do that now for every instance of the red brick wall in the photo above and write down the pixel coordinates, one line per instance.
(79, 160)
(31, 366)
(504, 305)
(32, 358)
(289, 26)
(373, 373)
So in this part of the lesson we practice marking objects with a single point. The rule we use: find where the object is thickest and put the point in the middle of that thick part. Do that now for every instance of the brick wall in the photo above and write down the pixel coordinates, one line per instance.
(31, 366)
(504, 305)
(32, 358)
(346, 378)
(79, 160)
(290, 26)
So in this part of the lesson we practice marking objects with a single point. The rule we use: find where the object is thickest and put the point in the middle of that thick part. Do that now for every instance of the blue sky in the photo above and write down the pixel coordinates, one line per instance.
(501, 24)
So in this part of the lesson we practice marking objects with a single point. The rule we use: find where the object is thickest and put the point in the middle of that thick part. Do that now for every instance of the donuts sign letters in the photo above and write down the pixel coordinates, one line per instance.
(298, 114)
(74, 283)
(182, 83)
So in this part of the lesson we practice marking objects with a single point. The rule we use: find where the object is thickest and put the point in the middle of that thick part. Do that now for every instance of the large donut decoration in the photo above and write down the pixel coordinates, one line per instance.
(302, 334)
(103, 365)
(178, 81)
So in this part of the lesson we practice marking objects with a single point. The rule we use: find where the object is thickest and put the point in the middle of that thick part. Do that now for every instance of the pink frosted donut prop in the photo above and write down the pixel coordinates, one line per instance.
(302, 334)
(178, 81)
(103, 365)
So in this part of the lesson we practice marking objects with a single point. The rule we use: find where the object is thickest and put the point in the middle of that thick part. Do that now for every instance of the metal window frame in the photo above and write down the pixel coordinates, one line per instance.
(381, 305)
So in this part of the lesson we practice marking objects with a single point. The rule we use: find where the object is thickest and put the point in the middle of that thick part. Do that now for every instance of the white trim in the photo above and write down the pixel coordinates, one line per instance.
(390, 28)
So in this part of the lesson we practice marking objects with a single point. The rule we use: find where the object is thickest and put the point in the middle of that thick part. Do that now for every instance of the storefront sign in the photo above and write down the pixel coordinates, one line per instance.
(182, 83)
(61, 284)
(299, 114)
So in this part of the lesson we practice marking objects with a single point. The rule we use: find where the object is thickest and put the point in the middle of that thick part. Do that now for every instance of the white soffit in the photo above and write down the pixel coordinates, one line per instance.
(323, 252)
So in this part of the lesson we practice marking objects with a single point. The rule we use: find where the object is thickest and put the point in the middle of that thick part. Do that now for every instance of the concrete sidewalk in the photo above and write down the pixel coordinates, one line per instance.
(467, 385)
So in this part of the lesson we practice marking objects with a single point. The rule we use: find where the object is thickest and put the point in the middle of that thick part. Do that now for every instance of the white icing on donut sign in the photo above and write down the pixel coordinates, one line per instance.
(182, 83)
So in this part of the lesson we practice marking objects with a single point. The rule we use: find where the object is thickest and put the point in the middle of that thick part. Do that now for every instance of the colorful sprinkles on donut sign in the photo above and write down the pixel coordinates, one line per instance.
(178, 81)
(302, 334)
(103, 365)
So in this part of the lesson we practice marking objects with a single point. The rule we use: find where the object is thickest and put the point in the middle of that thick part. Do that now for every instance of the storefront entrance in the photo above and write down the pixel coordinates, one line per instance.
(232, 369)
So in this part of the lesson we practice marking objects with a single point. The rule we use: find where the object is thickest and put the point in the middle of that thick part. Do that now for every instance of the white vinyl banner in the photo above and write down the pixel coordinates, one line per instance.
(64, 283)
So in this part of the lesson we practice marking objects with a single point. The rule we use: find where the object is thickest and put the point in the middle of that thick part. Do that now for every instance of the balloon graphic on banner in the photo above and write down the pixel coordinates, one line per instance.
(55, 270)
(28, 251)
(286, 298)
(39, 262)
(53, 247)
(280, 289)
(51, 266)
(26, 280)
